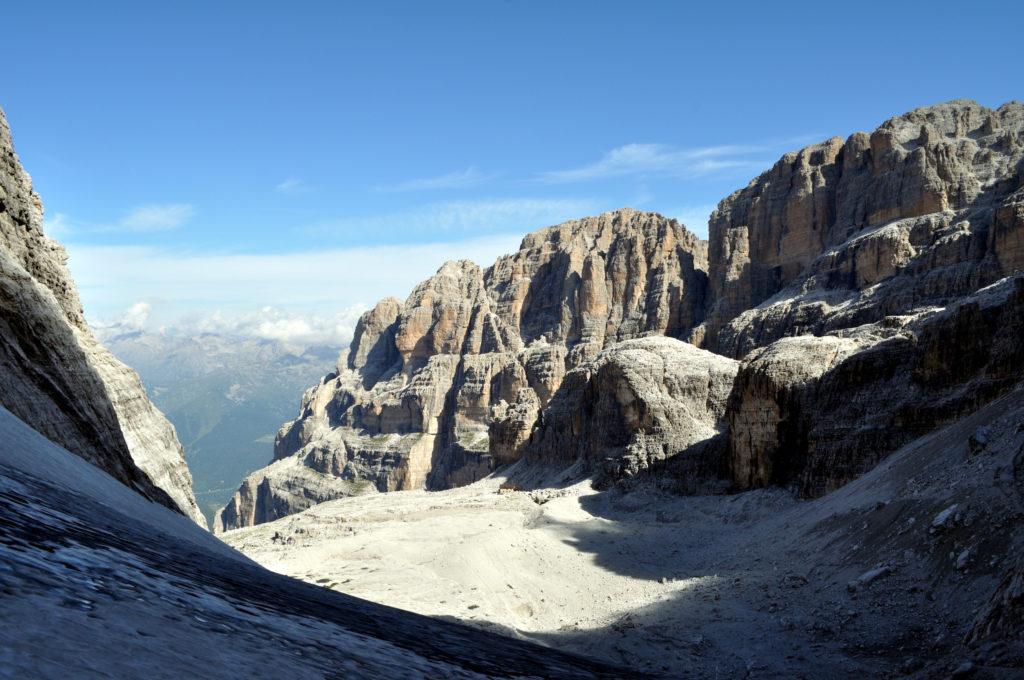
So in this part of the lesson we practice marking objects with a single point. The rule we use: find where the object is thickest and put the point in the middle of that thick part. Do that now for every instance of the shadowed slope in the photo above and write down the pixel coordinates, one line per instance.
(136, 590)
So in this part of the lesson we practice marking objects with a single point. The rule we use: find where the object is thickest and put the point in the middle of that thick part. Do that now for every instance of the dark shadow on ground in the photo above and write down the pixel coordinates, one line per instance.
(863, 582)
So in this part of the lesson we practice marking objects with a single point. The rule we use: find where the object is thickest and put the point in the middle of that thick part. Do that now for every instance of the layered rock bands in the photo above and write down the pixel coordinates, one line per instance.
(854, 296)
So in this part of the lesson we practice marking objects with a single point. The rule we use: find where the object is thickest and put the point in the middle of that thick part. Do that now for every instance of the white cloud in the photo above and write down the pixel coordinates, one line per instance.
(662, 160)
(271, 323)
(227, 289)
(142, 219)
(296, 330)
(58, 226)
(155, 217)
(136, 316)
(659, 160)
(453, 180)
(292, 185)
(474, 217)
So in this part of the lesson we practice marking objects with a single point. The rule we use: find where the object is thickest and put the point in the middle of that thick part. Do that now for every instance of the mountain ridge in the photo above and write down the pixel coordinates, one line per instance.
(922, 212)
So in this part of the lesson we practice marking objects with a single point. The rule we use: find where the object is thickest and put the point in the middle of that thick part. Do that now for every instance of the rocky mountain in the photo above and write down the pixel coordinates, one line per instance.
(473, 352)
(882, 264)
(55, 376)
(226, 396)
(103, 569)
(925, 209)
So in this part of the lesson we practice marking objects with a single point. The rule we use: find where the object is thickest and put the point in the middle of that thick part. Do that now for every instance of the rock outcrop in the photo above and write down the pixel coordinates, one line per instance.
(285, 487)
(927, 208)
(634, 406)
(882, 264)
(816, 412)
(1002, 616)
(55, 376)
(909, 280)
(437, 390)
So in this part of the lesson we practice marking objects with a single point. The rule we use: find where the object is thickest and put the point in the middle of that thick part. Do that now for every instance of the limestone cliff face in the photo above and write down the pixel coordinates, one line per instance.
(55, 376)
(913, 294)
(867, 286)
(436, 391)
(927, 208)
(813, 413)
(635, 406)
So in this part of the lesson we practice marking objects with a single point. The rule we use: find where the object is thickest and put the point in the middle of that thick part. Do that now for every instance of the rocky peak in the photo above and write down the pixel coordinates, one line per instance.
(859, 240)
(946, 160)
(21, 231)
(373, 348)
(437, 390)
(602, 279)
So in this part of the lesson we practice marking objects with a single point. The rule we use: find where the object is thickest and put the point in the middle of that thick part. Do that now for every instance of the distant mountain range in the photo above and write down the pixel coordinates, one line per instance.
(225, 395)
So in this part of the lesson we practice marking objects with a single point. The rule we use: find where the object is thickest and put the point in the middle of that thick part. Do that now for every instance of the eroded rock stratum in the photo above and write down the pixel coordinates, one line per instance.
(880, 265)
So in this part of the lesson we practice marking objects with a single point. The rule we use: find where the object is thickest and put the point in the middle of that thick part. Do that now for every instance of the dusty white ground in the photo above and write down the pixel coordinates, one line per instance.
(473, 553)
(860, 583)
(569, 567)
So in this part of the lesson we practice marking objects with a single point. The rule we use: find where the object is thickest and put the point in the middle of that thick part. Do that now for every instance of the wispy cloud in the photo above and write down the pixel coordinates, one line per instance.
(292, 185)
(58, 226)
(453, 180)
(154, 217)
(143, 219)
(659, 160)
(663, 160)
(321, 282)
(518, 215)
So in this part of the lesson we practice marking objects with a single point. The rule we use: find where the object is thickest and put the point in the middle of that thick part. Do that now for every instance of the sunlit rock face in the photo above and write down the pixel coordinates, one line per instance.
(927, 208)
(55, 376)
(870, 290)
(436, 391)
(892, 258)
(634, 406)
(833, 277)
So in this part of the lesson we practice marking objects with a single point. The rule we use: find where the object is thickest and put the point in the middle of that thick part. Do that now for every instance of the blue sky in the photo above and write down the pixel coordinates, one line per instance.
(209, 159)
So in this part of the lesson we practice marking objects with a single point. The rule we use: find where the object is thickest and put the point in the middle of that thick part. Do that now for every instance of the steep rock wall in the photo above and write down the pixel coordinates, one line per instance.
(927, 208)
(814, 413)
(55, 376)
(436, 391)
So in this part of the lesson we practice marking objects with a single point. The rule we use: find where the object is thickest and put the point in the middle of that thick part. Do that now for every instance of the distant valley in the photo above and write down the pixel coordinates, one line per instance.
(225, 395)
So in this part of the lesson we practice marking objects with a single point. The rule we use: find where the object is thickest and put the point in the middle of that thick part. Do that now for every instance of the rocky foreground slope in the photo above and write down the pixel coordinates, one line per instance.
(882, 264)
(98, 582)
(55, 376)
